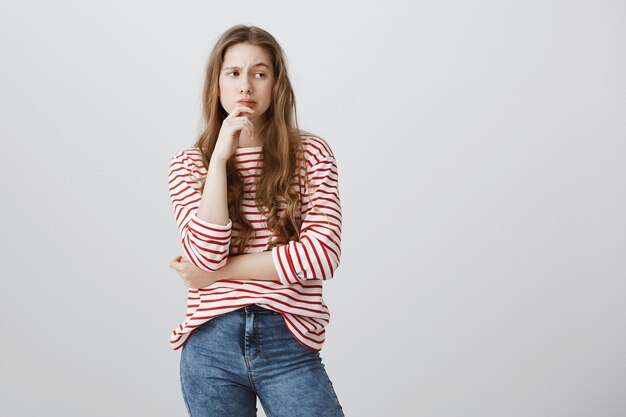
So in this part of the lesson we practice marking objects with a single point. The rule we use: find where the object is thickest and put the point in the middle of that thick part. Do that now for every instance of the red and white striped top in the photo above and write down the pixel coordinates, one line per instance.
(302, 265)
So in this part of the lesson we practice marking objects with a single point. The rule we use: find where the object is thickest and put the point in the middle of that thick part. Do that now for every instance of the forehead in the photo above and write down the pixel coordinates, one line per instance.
(245, 55)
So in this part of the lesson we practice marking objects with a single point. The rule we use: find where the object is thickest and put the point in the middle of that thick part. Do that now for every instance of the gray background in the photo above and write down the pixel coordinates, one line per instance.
(481, 149)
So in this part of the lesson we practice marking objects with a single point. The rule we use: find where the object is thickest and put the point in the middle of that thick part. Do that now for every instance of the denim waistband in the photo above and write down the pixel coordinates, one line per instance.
(256, 307)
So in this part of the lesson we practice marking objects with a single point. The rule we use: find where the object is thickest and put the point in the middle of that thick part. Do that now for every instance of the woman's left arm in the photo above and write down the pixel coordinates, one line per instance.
(253, 266)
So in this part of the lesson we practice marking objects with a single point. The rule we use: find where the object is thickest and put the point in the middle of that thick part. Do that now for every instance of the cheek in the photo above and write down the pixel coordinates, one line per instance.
(224, 87)
(269, 92)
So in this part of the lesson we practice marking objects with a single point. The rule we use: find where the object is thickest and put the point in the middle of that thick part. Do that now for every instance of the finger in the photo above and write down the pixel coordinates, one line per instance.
(239, 110)
(248, 127)
(243, 123)
(176, 259)
(240, 122)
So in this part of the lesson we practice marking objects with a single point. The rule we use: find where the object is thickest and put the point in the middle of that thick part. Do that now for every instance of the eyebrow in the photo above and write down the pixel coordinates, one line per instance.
(258, 64)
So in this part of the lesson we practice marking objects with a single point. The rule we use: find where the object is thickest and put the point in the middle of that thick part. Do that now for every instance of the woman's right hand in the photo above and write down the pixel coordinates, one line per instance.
(232, 126)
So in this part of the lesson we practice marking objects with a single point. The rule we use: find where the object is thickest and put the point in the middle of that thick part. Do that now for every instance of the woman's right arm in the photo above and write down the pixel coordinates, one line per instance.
(205, 242)
(202, 218)
(213, 205)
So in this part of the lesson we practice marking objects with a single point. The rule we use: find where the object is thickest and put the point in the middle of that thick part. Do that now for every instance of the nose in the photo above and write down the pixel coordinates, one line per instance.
(245, 87)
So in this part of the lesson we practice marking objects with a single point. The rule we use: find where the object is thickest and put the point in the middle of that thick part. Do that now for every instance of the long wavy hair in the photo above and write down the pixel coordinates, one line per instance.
(283, 153)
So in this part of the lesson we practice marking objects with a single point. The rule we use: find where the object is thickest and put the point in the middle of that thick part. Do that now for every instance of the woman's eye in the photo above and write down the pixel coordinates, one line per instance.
(237, 73)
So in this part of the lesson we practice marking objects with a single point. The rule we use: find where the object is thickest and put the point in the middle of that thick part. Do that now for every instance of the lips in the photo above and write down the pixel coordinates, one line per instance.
(248, 103)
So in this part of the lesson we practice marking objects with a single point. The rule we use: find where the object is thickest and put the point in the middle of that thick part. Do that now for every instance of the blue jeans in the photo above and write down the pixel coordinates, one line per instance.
(233, 358)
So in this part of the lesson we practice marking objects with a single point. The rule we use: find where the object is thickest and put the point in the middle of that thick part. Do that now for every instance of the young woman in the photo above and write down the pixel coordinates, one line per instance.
(257, 205)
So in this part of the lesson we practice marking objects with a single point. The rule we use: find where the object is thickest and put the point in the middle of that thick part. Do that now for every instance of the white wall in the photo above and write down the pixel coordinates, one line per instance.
(481, 149)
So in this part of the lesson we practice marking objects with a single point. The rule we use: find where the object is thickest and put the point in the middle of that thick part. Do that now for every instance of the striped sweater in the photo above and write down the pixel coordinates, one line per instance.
(302, 266)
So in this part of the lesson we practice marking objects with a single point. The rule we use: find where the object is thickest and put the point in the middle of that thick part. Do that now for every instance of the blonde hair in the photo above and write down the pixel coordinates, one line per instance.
(283, 153)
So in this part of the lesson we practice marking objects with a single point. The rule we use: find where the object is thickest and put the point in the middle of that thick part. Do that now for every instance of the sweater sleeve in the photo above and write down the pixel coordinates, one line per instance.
(316, 255)
(206, 244)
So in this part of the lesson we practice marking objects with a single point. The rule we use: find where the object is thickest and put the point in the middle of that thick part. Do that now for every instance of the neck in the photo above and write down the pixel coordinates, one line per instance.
(245, 141)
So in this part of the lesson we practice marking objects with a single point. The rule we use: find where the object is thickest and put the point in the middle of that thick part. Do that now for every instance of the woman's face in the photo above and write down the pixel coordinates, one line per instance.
(246, 74)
